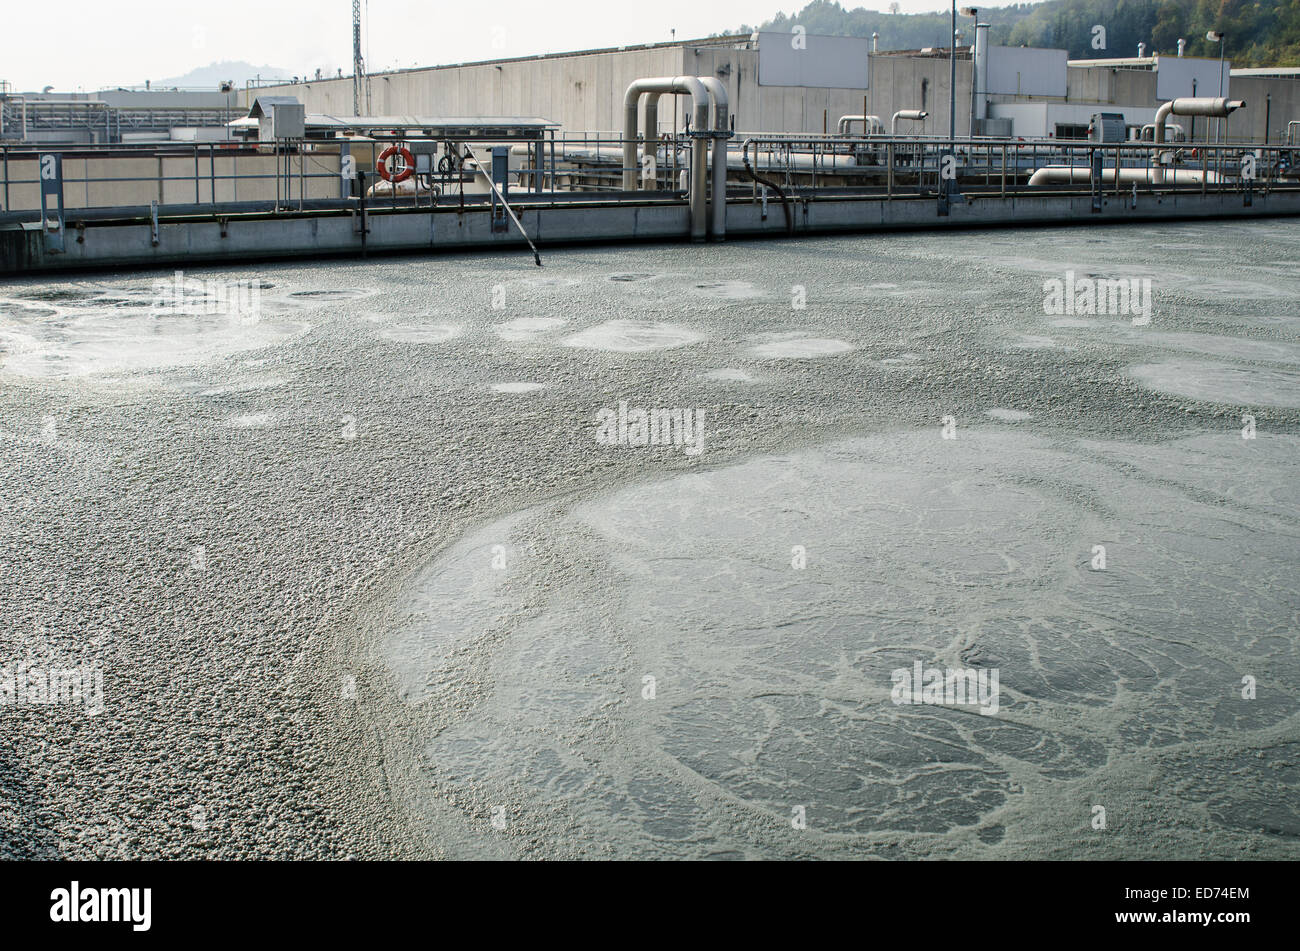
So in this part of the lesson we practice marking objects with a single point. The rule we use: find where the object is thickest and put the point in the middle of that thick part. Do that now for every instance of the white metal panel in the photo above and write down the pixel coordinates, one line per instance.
(1174, 77)
(1020, 71)
(795, 59)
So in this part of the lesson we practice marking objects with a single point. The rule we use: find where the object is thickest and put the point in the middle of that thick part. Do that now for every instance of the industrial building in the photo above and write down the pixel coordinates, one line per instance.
(776, 83)
(799, 83)
(772, 133)
(118, 116)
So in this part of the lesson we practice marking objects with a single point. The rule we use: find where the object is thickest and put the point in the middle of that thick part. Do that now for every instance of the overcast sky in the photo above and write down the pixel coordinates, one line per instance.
(89, 44)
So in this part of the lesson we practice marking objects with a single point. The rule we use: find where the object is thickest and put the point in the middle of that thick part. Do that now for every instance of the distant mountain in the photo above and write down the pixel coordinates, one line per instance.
(217, 73)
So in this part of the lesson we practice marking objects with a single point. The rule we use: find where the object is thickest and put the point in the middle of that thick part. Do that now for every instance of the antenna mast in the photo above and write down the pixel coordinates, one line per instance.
(358, 64)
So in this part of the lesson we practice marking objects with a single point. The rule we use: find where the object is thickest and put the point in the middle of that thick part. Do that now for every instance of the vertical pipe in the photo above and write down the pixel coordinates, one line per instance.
(699, 174)
(629, 137)
(688, 85)
(721, 132)
(1223, 38)
(651, 140)
(1158, 137)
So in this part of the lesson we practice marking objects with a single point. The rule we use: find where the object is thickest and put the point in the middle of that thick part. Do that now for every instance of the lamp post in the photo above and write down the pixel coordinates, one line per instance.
(227, 87)
(952, 78)
(944, 183)
(973, 13)
(1216, 37)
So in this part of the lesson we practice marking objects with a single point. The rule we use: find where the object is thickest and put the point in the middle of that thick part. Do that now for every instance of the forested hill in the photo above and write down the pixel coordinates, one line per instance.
(1264, 33)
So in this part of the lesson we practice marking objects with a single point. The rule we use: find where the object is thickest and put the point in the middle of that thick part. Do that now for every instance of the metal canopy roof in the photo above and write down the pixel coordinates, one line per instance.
(262, 105)
(434, 127)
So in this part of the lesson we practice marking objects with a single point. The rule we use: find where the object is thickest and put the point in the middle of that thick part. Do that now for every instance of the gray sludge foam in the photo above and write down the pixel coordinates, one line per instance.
(773, 685)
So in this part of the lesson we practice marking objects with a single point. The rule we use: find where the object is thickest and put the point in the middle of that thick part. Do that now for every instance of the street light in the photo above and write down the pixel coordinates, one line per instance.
(952, 78)
(944, 184)
(973, 13)
(1216, 37)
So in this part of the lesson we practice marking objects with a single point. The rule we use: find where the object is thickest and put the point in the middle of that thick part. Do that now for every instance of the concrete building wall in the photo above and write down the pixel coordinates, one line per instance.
(773, 109)
(921, 82)
(584, 92)
(1284, 107)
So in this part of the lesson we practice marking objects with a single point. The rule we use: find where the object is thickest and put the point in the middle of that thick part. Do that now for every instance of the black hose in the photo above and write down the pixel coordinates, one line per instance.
(785, 202)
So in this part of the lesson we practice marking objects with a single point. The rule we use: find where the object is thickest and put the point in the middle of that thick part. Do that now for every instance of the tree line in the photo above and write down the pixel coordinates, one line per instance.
(1262, 33)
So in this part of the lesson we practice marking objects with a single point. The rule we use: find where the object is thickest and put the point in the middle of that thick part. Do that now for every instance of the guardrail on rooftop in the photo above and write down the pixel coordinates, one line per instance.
(220, 178)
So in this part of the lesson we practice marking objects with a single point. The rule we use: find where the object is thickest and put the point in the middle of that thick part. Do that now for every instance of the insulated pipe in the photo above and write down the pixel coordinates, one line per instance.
(1191, 107)
(1080, 175)
(869, 123)
(981, 71)
(916, 115)
(652, 135)
(679, 85)
(721, 120)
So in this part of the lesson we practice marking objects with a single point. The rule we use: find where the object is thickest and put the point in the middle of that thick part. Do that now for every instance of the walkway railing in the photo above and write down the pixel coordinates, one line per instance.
(231, 178)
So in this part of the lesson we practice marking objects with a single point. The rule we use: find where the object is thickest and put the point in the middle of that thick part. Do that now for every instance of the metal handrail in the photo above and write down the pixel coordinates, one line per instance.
(189, 174)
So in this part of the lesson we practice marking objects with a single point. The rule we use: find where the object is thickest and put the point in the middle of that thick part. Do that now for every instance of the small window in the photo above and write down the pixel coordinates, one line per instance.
(1067, 131)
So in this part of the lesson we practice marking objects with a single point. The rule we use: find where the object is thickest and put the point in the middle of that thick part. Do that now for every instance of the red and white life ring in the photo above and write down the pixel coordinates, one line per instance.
(408, 164)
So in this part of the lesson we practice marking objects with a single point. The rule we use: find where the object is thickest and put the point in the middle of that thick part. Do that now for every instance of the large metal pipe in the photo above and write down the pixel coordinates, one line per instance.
(916, 115)
(870, 124)
(652, 136)
(677, 85)
(1204, 106)
(981, 91)
(1081, 175)
(721, 132)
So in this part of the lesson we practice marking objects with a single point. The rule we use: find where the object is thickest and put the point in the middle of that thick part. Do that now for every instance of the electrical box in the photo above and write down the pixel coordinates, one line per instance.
(1107, 127)
(995, 128)
(425, 152)
(287, 121)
